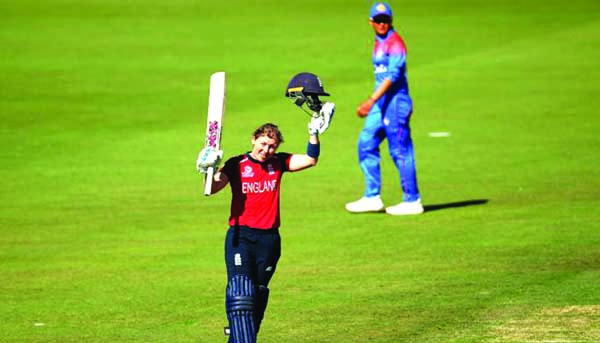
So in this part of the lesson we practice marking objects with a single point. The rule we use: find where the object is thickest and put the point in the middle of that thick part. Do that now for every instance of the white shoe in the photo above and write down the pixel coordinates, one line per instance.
(364, 204)
(406, 208)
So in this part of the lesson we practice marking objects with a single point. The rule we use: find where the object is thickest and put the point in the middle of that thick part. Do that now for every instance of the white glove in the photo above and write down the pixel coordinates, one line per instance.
(207, 158)
(320, 123)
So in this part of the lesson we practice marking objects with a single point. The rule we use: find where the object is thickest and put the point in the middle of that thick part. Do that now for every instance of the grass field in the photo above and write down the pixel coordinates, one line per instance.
(105, 235)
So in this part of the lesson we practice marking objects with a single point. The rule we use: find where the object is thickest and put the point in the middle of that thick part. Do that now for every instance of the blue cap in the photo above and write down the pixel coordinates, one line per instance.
(380, 8)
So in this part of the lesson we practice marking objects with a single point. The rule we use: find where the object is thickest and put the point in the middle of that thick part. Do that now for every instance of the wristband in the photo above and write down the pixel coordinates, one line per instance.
(313, 150)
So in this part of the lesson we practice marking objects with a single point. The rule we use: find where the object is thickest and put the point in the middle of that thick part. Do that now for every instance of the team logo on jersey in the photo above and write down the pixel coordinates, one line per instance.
(270, 169)
(248, 172)
(380, 68)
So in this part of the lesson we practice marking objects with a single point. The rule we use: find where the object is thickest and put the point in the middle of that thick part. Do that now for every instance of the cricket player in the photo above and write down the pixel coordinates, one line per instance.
(253, 243)
(387, 113)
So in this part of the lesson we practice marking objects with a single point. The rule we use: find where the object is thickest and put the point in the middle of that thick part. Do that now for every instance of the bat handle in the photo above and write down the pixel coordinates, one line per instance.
(208, 181)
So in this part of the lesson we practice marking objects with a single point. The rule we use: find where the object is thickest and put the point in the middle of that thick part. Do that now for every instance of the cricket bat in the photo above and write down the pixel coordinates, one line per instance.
(214, 122)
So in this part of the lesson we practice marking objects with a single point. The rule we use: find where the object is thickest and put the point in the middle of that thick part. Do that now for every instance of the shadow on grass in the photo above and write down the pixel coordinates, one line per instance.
(429, 208)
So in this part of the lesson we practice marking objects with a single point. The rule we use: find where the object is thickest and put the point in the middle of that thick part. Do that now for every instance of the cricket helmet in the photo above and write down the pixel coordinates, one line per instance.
(307, 83)
(306, 88)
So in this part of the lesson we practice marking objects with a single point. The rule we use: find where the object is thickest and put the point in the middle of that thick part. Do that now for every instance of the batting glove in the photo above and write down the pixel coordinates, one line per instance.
(320, 123)
(208, 158)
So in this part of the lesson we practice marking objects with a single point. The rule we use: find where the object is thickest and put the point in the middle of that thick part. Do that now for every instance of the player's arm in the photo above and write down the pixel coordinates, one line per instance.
(364, 108)
(366, 105)
(220, 180)
(308, 159)
(397, 59)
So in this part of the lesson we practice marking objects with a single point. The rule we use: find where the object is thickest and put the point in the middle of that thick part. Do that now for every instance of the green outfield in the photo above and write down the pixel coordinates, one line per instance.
(105, 235)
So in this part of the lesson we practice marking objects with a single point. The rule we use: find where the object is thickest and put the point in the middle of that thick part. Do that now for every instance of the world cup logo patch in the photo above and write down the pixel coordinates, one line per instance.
(248, 172)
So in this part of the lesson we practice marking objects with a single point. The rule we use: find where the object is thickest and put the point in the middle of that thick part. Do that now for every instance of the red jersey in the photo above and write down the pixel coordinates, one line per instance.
(255, 189)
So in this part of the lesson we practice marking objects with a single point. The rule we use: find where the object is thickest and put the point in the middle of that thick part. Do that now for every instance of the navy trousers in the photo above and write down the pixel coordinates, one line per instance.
(252, 254)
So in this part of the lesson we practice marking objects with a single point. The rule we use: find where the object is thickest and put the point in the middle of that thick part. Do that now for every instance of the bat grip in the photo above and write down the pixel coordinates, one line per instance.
(208, 181)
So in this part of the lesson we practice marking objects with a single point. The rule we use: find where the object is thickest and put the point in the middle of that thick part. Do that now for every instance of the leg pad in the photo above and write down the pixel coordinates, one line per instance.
(240, 304)
(262, 298)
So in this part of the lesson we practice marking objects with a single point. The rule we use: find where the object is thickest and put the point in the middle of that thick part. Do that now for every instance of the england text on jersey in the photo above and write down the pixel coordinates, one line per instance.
(259, 187)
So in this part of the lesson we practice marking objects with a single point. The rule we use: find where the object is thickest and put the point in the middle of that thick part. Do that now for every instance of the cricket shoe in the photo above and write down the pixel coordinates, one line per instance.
(364, 204)
(406, 208)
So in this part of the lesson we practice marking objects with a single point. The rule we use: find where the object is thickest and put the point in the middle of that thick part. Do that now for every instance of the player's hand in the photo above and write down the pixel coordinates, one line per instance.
(208, 158)
(364, 108)
(320, 123)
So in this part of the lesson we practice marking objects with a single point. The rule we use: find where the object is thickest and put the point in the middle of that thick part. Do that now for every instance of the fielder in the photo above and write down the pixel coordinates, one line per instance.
(387, 111)
(253, 243)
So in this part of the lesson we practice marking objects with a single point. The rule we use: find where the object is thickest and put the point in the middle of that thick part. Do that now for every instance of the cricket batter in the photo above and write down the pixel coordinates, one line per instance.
(387, 114)
(253, 243)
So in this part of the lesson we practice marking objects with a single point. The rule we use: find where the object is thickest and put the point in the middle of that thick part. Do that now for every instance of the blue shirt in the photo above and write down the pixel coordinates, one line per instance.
(389, 62)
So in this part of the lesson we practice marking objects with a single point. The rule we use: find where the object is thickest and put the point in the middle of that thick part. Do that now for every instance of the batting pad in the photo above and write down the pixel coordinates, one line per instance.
(240, 302)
